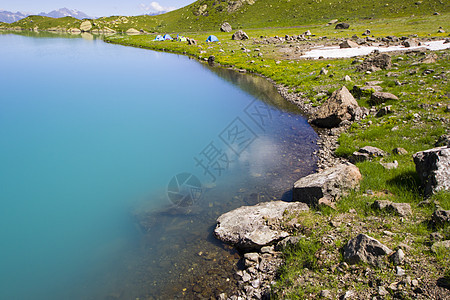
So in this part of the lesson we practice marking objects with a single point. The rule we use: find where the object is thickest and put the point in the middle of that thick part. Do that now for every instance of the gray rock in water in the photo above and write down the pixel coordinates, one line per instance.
(348, 44)
(433, 168)
(226, 27)
(364, 248)
(341, 106)
(331, 184)
(239, 36)
(211, 60)
(342, 26)
(441, 217)
(247, 228)
(381, 97)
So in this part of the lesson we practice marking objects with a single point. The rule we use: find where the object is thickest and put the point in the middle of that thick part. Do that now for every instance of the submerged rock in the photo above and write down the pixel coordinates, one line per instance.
(330, 184)
(247, 227)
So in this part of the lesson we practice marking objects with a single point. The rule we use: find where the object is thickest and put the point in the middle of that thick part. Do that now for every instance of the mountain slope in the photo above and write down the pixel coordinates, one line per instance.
(11, 17)
(209, 14)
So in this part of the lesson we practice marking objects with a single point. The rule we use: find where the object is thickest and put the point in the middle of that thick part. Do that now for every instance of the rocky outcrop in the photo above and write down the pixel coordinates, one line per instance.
(328, 185)
(433, 168)
(226, 27)
(239, 36)
(379, 62)
(85, 26)
(366, 249)
(340, 107)
(366, 153)
(132, 31)
(342, 26)
(248, 227)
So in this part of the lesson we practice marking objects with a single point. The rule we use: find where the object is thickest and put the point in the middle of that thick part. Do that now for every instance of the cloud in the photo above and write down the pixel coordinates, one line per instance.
(155, 7)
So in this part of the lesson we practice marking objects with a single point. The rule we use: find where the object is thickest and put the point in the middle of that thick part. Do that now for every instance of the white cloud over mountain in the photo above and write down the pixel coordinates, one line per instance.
(155, 7)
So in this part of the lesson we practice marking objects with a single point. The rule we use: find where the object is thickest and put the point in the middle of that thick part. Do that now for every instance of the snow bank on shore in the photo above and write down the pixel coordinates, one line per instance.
(336, 52)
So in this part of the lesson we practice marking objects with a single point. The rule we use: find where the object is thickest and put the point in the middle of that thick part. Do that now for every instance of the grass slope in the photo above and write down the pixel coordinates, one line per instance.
(207, 15)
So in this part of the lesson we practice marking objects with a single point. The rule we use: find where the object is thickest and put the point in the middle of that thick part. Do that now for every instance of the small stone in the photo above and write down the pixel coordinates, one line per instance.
(398, 257)
(325, 294)
(399, 271)
(414, 282)
(256, 283)
(390, 166)
(347, 78)
(348, 295)
(246, 277)
(382, 291)
(400, 151)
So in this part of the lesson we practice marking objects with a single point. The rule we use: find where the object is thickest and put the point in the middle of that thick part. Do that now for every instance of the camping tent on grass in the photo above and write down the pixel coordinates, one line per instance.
(159, 38)
(212, 38)
(167, 37)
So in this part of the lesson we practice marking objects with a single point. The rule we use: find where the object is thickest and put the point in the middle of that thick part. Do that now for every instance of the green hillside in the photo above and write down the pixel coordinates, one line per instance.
(207, 15)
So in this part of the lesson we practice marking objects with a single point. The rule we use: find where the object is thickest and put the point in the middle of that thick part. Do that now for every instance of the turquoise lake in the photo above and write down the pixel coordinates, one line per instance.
(92, 136)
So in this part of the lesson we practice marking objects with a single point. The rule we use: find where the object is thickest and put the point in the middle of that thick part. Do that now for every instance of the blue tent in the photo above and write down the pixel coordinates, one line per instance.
(159, 38)
(167, 37)
(212, 38)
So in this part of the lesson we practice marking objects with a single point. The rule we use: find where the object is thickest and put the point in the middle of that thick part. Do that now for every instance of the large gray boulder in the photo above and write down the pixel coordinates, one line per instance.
(433, 168)
(329, 185)
(341, 106)
(366, 249)
(226, 27)
(248, 229)
(239, 36)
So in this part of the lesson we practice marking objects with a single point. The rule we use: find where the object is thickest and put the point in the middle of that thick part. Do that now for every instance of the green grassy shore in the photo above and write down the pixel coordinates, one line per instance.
(419, 117)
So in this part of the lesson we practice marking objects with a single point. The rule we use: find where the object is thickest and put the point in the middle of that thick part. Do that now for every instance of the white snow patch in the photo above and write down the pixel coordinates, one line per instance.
(336, 52)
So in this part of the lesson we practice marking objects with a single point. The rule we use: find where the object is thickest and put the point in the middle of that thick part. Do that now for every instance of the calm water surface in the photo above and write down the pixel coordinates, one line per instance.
(91, 135)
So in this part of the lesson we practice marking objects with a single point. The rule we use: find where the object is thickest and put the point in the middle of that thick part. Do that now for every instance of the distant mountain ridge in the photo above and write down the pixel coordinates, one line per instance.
(11, 17)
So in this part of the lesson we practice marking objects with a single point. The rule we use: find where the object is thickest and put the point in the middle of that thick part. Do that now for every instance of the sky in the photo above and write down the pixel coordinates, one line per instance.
(94, 8)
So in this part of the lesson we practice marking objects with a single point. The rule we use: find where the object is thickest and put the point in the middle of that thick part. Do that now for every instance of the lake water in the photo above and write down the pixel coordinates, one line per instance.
(92, 138)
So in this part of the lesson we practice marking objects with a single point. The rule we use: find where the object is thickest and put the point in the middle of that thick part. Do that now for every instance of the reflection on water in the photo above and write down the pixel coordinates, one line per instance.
(97, 135)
